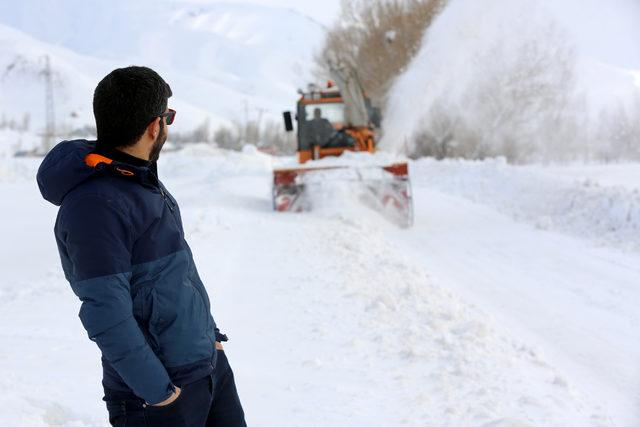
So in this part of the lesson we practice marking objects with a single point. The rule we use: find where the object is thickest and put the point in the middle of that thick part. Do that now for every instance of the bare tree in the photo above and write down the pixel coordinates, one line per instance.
(269, 137)
(277, 140)
(618, 133)
(225, 138)
(437, 137)
(378, 38)
(202, 133)
(520, 104)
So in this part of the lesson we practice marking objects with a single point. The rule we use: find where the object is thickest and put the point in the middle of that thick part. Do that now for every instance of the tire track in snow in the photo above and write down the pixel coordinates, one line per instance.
(364, 337)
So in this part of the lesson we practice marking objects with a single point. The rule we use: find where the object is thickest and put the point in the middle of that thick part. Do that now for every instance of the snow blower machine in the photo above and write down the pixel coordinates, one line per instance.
(335, 124)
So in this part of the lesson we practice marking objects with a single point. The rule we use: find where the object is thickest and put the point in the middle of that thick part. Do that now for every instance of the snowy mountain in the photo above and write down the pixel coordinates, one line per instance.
(224, 61)
(22, 65)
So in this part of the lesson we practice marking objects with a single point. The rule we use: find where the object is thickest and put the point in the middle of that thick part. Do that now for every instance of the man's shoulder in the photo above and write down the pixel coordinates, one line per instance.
(127, 200)
(95, 194)
(103, 185)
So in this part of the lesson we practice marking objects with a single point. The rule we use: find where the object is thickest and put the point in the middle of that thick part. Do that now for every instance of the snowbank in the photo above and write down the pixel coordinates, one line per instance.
(348, 159)
(585, 201)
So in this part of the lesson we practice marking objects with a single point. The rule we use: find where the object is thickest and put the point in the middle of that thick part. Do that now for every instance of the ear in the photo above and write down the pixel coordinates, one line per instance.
(154, 128)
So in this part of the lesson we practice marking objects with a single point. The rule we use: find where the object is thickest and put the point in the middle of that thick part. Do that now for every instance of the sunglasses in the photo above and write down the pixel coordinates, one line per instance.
(170, 115)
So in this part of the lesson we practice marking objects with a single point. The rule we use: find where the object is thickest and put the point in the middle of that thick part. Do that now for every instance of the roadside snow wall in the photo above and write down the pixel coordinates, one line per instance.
(578, 203)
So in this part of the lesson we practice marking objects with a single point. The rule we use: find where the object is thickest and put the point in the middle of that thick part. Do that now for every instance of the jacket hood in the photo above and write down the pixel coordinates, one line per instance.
(63, 169)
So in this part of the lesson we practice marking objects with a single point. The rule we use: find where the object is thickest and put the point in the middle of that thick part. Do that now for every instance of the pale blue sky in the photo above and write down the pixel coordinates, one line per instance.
(323, 11)
(608, 31)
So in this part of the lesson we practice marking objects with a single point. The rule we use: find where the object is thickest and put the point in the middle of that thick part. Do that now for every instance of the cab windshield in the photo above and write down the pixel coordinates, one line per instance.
(332, 112)
(321, 125)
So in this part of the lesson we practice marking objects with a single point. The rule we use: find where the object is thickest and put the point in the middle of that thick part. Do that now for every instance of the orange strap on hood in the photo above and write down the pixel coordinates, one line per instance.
(92, 160)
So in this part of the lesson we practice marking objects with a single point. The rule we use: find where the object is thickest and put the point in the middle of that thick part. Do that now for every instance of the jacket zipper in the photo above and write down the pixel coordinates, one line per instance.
(166, 199)
(162, 193)
(198, 290)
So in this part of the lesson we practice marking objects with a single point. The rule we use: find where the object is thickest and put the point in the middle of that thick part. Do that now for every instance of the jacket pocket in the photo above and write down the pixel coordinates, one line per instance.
(155, 320)
(141, 305)
(142, 309)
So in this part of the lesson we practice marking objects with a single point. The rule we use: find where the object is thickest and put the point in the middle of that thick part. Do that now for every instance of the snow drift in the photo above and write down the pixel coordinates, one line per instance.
(577, 203)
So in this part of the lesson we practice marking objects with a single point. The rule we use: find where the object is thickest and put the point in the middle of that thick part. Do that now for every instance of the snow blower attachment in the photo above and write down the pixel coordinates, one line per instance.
(330, 123)
(386, 189)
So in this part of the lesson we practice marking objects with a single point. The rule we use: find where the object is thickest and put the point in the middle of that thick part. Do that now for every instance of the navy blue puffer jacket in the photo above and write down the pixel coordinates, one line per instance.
(122, 247)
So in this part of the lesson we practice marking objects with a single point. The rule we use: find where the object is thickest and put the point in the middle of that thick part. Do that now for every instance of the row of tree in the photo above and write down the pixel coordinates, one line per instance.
(268, 135)
(22, 125)
(378, 38)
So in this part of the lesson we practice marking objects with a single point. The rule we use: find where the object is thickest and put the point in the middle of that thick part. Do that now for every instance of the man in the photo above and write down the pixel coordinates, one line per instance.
(122, 247)
(320, 128)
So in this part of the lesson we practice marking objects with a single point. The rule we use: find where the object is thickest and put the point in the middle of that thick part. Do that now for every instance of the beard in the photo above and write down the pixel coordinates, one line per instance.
(154, 155)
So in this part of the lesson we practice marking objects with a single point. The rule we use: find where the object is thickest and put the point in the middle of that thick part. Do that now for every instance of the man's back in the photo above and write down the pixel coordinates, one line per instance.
(122, 247)
(321, 130)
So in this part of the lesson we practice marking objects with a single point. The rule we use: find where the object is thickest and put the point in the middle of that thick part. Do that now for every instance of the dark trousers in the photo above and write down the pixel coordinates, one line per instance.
(209, 402)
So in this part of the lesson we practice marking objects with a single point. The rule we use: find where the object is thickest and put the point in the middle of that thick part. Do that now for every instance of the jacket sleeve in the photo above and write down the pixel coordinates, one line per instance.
(97, 237)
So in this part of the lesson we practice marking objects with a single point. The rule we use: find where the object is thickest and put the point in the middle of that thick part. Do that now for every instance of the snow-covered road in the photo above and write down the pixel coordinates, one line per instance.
(336, 317)
(576, 303)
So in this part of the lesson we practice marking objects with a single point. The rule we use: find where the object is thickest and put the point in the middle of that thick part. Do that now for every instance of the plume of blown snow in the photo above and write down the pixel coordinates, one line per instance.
(506, 78)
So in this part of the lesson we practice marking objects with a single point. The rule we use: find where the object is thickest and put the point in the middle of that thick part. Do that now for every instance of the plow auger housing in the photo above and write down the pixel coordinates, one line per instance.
(386, 189)
(331, 122)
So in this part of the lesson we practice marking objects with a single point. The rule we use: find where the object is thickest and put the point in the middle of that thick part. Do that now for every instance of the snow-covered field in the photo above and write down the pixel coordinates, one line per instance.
(505, 304)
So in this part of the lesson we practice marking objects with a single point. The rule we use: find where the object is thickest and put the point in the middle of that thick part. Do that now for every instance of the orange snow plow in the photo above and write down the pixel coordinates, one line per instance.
(386, 189)
(330, 123)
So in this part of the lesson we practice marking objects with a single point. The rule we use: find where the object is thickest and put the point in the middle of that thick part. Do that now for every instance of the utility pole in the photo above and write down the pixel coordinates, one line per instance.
(50, 130)
(261, 111)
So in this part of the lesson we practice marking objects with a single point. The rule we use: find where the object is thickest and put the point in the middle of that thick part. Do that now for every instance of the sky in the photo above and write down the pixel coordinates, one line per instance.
(322, 11)
(608, 31)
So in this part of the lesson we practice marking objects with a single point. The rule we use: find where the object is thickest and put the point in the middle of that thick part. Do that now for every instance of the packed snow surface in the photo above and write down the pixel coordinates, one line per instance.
(475, 317)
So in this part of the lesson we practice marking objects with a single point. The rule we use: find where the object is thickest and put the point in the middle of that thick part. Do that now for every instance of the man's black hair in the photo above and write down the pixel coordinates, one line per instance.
(125, 102)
